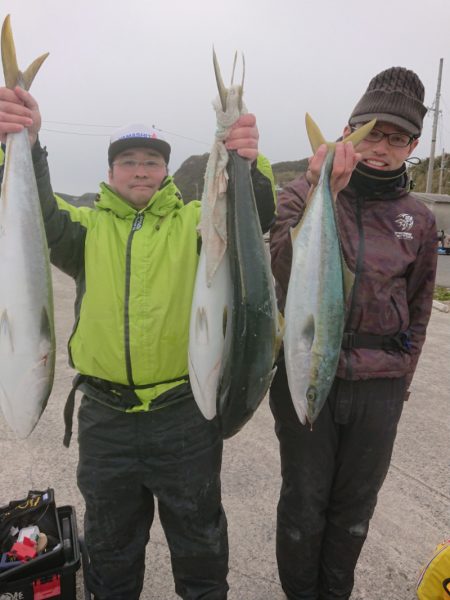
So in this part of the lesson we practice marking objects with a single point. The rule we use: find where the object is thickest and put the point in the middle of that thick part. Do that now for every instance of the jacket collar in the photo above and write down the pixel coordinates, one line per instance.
(164, 201)
(373, 183)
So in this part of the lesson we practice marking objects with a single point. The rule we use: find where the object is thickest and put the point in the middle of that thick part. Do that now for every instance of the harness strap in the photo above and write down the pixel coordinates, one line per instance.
(69, 407)
(394, 343)
(115, 395)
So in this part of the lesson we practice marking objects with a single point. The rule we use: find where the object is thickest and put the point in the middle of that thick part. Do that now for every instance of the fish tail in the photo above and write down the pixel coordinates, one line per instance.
(12, 73)
(359, 134)
(31, 71)
(315, 136)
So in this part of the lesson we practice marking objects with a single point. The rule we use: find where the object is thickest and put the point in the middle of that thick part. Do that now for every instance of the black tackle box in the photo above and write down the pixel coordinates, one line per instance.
(38, 508)
(55, 578)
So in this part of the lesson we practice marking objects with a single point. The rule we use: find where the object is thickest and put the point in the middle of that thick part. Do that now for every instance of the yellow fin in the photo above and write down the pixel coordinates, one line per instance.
(295, 230)
(359, 134)
(30, 73)
(316, 138)
(12, 73)
(281, 326)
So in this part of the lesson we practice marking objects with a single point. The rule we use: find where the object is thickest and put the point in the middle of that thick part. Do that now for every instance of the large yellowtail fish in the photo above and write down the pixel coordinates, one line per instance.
(319, 285)
(27, 340)
(250, 346)
(234, 317)
(211, 300)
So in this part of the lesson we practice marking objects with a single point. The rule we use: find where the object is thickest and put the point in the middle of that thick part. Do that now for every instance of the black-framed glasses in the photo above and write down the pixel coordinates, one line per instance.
(396, 139)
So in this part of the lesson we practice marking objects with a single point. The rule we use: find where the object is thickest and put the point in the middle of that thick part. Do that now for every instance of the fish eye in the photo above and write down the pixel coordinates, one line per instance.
(311, 393)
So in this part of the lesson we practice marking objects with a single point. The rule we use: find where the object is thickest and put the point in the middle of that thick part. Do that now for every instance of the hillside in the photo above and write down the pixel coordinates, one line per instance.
(84, 200)
(418, 174)
(189, 177)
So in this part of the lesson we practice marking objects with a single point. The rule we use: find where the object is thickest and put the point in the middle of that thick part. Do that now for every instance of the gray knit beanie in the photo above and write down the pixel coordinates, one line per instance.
(394, 96)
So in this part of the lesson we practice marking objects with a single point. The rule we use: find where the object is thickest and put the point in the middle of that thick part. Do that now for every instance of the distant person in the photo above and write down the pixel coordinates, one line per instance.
(134, 260)
(332, 473)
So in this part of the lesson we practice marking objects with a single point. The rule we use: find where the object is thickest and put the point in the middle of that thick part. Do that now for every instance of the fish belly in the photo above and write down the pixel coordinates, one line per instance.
(210, 307)
(314, 310)
(27, 344)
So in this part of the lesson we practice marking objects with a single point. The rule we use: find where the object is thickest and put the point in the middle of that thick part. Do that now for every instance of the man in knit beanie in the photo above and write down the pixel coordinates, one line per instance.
(333, 471)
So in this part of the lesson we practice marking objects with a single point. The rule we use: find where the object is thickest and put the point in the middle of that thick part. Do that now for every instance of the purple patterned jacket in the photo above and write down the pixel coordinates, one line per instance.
(390, 243)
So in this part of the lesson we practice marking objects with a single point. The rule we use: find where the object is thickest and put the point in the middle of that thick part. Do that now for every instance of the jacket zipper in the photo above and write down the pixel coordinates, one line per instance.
(358, 270)
(137, 224)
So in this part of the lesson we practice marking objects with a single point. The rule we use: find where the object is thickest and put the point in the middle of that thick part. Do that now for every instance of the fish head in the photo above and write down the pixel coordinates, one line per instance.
(321, 375)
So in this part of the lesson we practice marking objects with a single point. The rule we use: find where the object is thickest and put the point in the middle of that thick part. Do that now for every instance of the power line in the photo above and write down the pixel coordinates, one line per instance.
(75, 132)
(178, 135)
(81, 124)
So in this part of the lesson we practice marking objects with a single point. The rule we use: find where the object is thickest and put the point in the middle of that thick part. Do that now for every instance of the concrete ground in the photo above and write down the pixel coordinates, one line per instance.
(412, 515)
(443, 271)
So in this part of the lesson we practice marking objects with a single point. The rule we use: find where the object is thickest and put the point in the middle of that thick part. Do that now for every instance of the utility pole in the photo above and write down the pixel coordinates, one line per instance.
(433, 136)
(441, 171)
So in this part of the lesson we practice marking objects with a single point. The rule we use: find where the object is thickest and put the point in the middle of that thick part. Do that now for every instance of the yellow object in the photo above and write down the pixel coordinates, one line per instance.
(434, 581)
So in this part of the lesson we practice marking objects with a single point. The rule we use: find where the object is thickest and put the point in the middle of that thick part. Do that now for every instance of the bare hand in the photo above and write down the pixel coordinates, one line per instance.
(344, 163)
(18, 109)
(244, 137)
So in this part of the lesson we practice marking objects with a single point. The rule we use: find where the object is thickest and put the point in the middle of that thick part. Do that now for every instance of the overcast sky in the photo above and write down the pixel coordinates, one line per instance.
(150, 61)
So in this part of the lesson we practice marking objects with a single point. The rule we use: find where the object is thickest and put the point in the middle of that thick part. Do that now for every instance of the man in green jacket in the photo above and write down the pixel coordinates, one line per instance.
(134, 259)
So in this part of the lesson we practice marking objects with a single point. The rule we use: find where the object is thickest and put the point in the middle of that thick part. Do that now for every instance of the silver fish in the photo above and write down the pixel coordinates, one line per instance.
(27, 339)
(211, 302)
(234, 294)
(251, 344)
(319, 285)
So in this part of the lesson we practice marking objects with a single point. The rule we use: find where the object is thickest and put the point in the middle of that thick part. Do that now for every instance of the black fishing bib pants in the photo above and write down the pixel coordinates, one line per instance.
(330, 480)
(126, 460)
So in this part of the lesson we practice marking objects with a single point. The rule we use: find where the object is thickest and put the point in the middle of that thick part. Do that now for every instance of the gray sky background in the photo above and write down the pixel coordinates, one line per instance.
(150, 61)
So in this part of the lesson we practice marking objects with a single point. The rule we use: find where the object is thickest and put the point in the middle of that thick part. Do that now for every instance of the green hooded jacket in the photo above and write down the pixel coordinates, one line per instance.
(135, 274)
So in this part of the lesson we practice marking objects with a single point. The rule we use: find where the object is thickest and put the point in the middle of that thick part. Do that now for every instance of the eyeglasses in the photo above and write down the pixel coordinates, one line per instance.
(129, 164)
(398, 140)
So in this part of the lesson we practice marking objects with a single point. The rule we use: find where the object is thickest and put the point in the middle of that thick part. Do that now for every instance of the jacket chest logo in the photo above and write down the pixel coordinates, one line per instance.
(405, 223)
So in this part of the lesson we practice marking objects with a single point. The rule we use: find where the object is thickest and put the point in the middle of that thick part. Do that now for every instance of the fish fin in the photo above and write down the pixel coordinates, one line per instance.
(30, 73)
(295, 230)
(309, 330)
(223, 92)
(359, 134)
(224, 320)
(6, 336)
(46, 328)
(281, 326)
(201, 326)
(12, 73)
(9, 59)
(315, 136)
